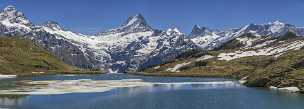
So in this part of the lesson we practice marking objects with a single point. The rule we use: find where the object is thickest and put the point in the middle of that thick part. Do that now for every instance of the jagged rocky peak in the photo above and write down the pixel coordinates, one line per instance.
(276, 22)
(276, 25)
(279, 28)
(173, 31)
(200, 31)
(11, 14)
(9, 8)
(53, 25)
(254, 29)
(275, 28)
(135, 23)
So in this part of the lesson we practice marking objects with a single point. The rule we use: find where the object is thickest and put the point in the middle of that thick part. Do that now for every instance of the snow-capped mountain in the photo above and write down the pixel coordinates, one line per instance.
(67, 45)
(132, 46)
(273, 29)
(202, 36)
(13, 22)
(129, 47)
(200, 31)
(134, 24)
(135, 45)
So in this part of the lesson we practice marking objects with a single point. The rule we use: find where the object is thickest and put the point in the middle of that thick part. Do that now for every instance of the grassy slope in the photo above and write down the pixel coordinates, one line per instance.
(262, 71)
(21, 56)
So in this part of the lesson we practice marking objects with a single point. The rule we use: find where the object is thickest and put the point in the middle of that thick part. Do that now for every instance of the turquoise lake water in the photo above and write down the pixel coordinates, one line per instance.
(167, 96)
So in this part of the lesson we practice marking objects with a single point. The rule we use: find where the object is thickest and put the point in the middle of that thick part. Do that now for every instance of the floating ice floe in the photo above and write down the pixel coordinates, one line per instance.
(7, 76)
(286, 89)
(72, 86)
(202, 83)
(38, 72)
(243, 80)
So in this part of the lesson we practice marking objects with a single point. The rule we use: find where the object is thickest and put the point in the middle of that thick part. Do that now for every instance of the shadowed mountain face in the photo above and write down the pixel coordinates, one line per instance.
(132, 46)
(200, 31)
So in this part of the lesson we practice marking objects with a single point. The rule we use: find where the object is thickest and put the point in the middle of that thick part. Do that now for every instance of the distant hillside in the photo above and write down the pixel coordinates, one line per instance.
(21, 56)
(258, 61)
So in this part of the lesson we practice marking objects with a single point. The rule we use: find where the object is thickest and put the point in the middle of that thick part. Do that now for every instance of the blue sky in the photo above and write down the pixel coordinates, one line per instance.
(90, 16)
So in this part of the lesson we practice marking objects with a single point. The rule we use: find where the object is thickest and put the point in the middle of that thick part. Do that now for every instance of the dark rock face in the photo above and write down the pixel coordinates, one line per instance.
(200, 31)
(3, 29)
(63, 49)
(261, 82)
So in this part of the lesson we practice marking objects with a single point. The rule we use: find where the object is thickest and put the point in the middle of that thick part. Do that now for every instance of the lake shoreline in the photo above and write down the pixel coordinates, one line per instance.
(241, 80)
(106, 90)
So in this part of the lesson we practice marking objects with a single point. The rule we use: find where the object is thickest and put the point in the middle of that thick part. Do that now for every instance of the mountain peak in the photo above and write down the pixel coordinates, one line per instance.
(11, 14)
(9, 8)
(172, 31)
(196, 27)
(136, 23)
(52, 25)
(277, 22)
(200, 31)
(138, 18)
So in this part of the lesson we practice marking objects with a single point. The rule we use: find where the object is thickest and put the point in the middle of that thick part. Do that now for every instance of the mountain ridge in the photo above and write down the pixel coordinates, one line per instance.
(132, 46)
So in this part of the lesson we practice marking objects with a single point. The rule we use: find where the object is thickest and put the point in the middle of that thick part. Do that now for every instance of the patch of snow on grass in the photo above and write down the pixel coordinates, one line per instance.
(264, 44)
(205, 57)
(157, 67)
(277, 51)
(177, 67)
(247, 41)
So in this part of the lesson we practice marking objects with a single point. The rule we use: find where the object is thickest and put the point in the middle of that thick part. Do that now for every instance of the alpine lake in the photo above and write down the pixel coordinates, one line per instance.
(122, 91)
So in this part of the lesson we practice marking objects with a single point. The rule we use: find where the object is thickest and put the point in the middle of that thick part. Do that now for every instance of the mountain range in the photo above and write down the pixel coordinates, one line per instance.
(134, 45)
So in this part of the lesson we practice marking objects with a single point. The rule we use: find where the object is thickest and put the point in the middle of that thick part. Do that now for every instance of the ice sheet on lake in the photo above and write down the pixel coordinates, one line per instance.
(89, 86)
(286, 89)
(7, 76)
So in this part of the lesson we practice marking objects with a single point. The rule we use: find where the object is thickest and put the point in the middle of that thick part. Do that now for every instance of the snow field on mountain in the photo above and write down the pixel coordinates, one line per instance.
(273, 50)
